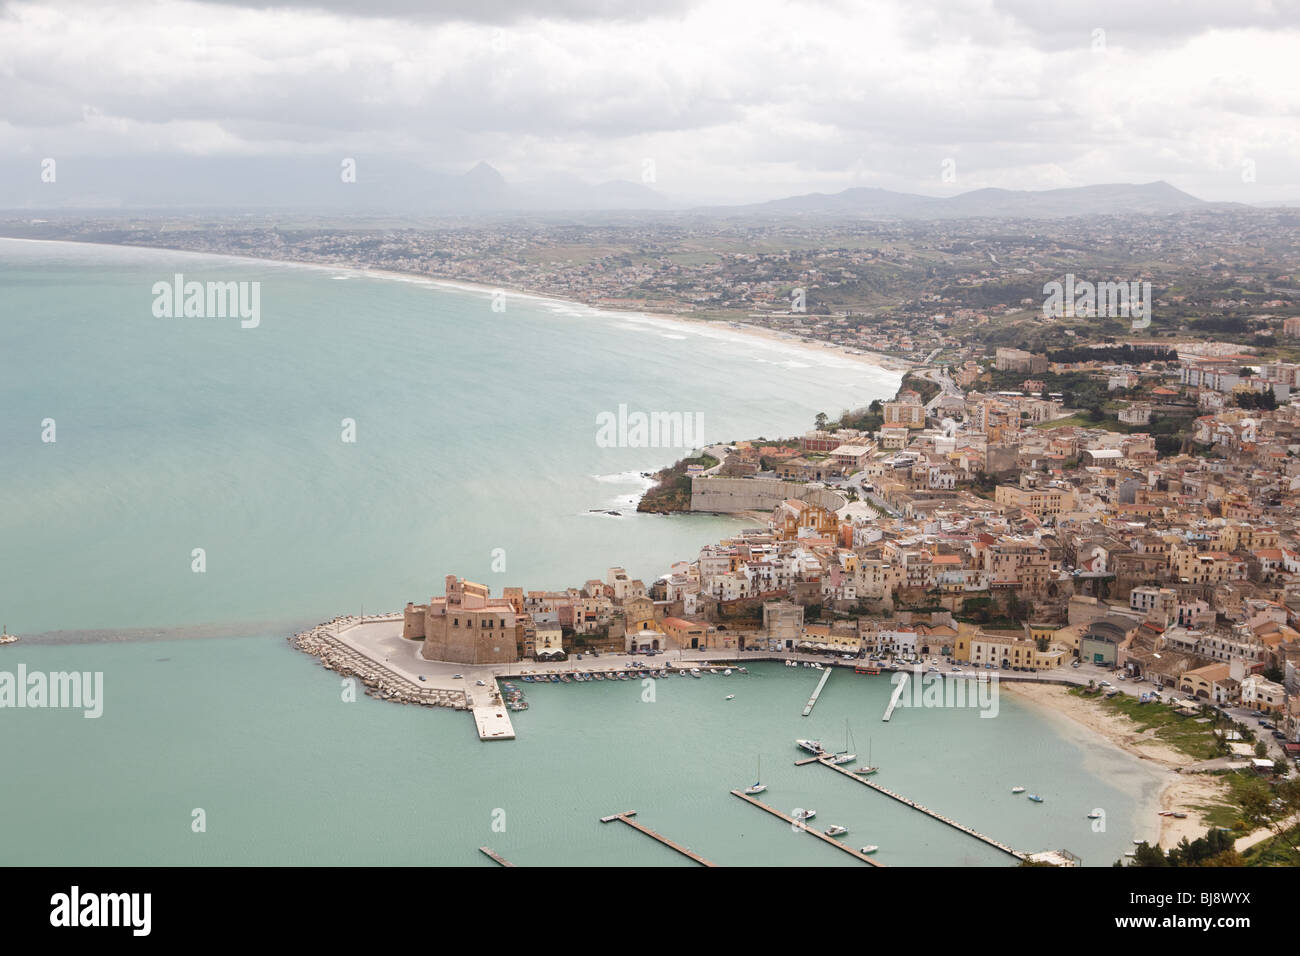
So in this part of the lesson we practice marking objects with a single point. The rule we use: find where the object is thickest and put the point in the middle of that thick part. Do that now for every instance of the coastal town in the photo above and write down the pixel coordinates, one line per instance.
(985, 533)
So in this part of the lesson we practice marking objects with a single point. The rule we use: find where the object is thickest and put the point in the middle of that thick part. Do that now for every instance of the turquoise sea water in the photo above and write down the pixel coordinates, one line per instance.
(258, 737)
(475, 431)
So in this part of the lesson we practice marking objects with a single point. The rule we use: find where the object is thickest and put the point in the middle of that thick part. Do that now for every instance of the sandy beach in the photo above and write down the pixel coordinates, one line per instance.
(1183, 792)
(685, 323)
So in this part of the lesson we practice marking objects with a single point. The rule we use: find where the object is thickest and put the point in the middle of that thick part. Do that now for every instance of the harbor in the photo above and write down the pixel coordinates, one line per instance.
(826, 762)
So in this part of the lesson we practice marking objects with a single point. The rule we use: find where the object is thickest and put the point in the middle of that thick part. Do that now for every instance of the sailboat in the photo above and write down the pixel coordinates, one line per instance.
(843, 756)
(870, 767)
(757, 787)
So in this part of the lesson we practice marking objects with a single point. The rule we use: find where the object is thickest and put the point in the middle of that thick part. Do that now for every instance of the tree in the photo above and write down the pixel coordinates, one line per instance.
(820, 421)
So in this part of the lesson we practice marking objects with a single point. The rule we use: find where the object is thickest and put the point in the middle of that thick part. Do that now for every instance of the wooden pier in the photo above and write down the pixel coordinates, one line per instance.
(807, 829)
(893, 701)
(494, 856)
(626, 817)
(812, 701)
(926, 810)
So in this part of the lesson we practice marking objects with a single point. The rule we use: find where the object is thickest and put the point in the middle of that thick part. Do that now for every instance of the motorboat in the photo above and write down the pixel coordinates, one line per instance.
(805, 815)
(835, 830)
(730, 697)
(1036, 798)
(812, 746)
(1017, 789)
(869, 849)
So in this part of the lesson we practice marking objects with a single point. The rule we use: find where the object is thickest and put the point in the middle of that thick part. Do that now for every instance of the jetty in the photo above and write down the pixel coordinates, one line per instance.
(898, 693)
(626, 817)
(494, 856)
(812, 701)
(800, 824)
(493, 721)
(996, 844)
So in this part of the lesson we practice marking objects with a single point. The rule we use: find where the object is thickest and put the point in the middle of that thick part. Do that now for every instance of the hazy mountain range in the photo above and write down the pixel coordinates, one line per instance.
(379, 185)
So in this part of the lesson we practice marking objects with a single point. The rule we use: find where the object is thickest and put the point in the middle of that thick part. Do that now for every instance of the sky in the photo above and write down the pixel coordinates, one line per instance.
(703, 100)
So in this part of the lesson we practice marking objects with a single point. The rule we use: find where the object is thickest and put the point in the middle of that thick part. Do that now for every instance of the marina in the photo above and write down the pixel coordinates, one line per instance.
(826, 762)
(802, 825)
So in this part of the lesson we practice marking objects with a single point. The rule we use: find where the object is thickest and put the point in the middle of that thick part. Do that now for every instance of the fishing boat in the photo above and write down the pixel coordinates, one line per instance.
(1017, 789)
(758, 786)
(812, 746)
(555, 678)
(6, 637)
(869, 849)
(623, 676)
(564, 678)
(727, 672)
(1036, 798)
(695, 672)
(528, 678)
(743, 670)
(599, 675)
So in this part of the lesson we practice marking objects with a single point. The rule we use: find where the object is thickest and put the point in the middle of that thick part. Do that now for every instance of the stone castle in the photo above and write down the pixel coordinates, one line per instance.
(467, 626)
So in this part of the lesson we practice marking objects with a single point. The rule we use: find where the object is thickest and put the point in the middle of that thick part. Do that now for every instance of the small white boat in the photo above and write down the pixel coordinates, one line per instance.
(727, 672)
(805, 815)
(1094, 815)
(730, 697)
(1017, 789)
(835, 830)
(812, 746)
(838, 759)
(869, 849)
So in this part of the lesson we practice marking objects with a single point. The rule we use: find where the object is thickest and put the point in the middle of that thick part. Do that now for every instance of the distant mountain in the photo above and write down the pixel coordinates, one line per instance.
(316, 183)
(873, 203)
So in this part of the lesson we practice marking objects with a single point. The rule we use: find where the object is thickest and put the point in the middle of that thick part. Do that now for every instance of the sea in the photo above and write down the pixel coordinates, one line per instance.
(179, 494)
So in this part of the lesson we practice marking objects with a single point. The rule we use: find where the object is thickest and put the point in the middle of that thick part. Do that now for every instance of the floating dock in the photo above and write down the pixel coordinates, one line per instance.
(807, 829)
(926, 810)
(626, 817)
(898, 693)
(495, 856)
(812, 701)
(493, 721)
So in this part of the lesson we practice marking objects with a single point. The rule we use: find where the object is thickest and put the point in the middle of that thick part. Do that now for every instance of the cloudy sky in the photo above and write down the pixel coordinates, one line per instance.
(732, 100)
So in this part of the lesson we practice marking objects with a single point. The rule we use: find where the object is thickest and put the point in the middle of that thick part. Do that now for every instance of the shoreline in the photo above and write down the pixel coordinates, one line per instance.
(1183, 793)
(876, 360)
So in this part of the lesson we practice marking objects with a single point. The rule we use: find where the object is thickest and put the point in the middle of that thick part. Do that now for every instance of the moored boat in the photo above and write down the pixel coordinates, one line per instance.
(804, 815)
(835, 830)
(869, 849)
(812, 746)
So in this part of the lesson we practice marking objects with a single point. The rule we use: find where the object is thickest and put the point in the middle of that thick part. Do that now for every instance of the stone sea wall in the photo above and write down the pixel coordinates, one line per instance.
(380, 682)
